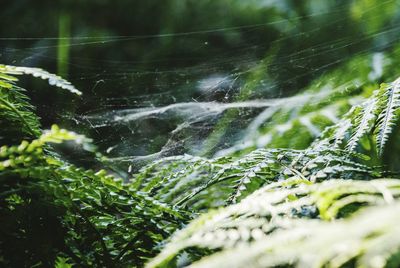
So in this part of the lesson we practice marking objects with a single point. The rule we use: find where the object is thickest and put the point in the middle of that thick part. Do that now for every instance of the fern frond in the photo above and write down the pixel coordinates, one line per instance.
(102, 220)
(339, 134)
(386, 119)
(363, 119)
(18, 120)
(378, 112)
(53, 80)
(364, 243)
(276, 208)
(200, 183)
(17, 117)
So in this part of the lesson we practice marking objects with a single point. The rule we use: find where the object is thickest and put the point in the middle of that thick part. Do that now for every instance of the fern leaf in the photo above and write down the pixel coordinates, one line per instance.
(364, 119)
(53, 80)
(270, 212)
(359, 240)
(17, 118)
(94, 208)
(388, 116)
(340, 130)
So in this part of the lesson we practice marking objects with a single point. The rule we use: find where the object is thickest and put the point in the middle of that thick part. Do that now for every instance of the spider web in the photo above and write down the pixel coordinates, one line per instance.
(140, 110)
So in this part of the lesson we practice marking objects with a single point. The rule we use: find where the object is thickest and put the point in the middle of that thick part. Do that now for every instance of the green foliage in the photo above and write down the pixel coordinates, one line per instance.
(305, 211)
(307, 186)
(17, 116)
(51, 209)
(200, 183)
(313, 181)
(271, 226)
(354, 242)
(99, 220)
